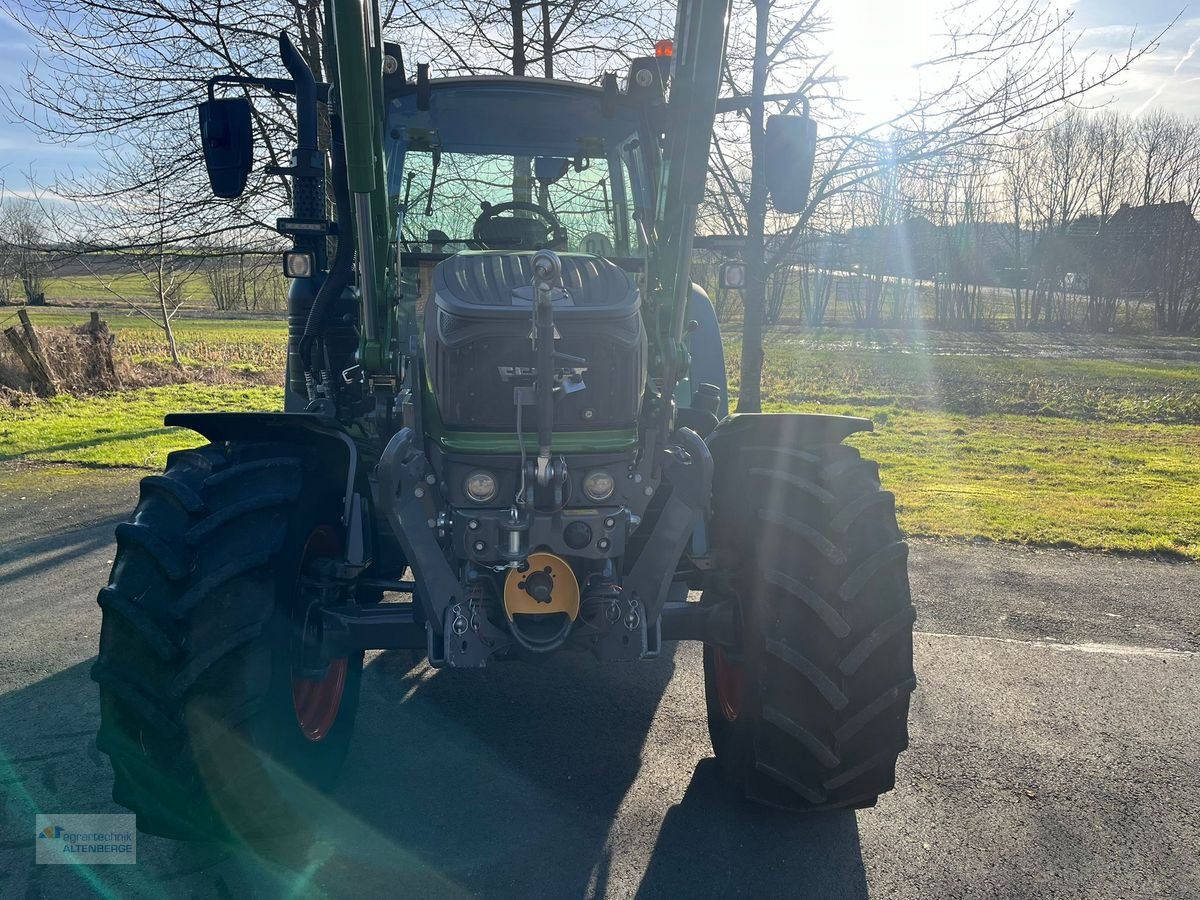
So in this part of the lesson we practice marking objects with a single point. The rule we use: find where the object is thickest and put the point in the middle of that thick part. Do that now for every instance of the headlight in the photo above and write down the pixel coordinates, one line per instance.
(480, 486)
(298, 264)
(599, 485)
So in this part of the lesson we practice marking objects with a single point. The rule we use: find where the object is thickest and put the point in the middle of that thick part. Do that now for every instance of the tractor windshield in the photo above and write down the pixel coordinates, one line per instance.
(486, 201)
(516, 164)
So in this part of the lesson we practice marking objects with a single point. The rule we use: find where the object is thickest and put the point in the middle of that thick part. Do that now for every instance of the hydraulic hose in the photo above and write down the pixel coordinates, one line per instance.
(342, 269)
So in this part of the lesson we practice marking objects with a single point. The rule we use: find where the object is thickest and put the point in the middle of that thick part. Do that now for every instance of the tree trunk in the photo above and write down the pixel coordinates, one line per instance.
(1018, 278)
(547, 42)
(33, 360)
(753, 309)
(522, 184)
(516, 11)
(171, 346)
(755, 297)
(96, 349)
(30, 334)
(166, 317)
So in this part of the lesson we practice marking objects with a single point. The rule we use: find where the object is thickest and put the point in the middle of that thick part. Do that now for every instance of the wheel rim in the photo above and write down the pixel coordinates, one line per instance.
(317, 701)
(731, 684)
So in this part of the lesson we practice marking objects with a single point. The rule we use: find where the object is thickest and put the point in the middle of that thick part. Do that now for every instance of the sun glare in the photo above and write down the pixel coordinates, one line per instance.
(876, 47)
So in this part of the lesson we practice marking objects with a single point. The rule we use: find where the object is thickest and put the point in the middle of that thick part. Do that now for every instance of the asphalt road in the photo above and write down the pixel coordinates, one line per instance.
(1055, 749)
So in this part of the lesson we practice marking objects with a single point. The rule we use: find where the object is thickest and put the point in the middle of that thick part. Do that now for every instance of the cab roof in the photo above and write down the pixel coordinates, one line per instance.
(512, 116)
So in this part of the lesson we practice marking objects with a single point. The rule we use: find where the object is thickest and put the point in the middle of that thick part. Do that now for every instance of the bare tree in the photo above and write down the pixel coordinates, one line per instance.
(1111, 136)
(962, 212)
(23, 252)
(140, 236)
(239, 280)
(126, 75)
(1013, 187)
(1168, 157)
(1007, 65)
(1064, 176)
(574, 39)
(143, 97)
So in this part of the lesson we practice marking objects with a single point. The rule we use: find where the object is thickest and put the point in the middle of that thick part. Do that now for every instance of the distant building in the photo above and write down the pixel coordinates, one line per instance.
(1140, 245)
(1152, 251)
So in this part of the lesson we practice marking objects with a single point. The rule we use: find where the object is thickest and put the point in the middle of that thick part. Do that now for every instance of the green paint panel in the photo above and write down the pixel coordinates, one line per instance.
(610, 441)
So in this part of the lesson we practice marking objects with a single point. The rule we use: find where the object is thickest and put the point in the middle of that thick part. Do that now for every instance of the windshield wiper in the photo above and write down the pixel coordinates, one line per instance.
(437, 161)
(608, 210)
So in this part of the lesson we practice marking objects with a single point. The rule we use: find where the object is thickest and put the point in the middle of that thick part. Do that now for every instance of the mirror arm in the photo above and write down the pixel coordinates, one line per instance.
(733, 104)
(802, 99)
(274, 85)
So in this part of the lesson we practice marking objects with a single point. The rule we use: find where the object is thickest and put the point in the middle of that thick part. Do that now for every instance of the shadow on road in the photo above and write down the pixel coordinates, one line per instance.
(49, 764)
(502, 781)
(512, 781)
(728, 848)
(55, 549)
(114, 438)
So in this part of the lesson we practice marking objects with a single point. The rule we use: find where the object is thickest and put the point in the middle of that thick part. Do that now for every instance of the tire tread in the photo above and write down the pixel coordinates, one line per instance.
(185, 653)
(827, 620)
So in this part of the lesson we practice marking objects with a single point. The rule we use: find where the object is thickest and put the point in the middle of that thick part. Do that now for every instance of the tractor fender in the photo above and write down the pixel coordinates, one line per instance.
(707, 351)
(784, 433)
(783, 430)
(336, 447)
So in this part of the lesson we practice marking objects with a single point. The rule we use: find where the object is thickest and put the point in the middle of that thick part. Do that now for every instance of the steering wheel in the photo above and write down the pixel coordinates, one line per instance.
(495, 231)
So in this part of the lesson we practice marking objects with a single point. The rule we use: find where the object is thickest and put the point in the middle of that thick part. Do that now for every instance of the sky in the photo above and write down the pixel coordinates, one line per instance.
(876, 45)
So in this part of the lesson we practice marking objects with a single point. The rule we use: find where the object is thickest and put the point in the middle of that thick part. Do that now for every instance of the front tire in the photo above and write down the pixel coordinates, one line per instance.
(808, 701)
(212, 729)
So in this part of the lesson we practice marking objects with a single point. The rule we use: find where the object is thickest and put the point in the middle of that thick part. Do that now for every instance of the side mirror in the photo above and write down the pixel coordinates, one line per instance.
(791, 150)
(227, 136)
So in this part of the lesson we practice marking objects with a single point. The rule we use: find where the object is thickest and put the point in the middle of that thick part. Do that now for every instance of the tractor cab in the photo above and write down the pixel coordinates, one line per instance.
(514, 164)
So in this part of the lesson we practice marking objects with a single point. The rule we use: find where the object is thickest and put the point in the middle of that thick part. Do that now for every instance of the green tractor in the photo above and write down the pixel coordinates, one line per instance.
(505, 436)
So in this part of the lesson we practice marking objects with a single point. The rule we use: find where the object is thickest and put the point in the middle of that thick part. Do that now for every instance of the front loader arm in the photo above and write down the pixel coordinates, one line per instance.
(356, 54)
(700, 31)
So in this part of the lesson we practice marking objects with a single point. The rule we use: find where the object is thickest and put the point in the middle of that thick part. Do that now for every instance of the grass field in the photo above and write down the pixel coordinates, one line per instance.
(1150, 391)
(83, 288)
(1026, 438)
(1051, 482)
(122, 429)
(127, 323)
(256, 343)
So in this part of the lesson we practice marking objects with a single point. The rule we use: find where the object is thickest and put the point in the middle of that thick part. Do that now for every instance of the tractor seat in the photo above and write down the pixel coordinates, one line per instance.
(500, 279)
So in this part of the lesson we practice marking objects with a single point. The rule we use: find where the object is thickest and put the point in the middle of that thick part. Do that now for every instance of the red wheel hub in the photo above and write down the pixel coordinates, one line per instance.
(316, 701)
(731, 684)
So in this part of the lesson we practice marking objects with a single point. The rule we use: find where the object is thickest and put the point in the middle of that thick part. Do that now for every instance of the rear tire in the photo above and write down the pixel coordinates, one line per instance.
(808, 705)
(210, 731)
